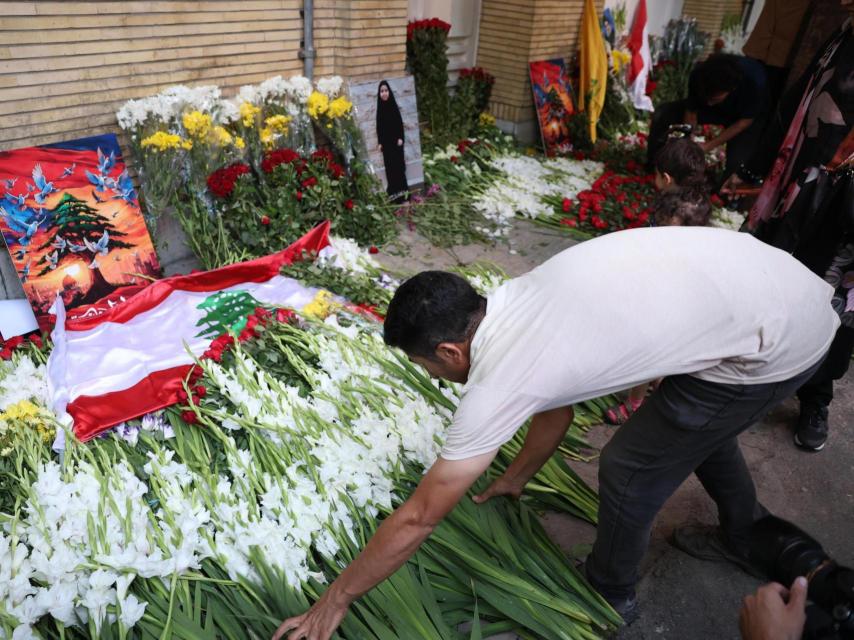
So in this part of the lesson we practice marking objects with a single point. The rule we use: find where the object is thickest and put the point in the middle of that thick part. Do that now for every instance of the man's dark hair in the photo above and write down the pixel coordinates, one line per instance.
(719, 73)
(431, 308)
(688, 202)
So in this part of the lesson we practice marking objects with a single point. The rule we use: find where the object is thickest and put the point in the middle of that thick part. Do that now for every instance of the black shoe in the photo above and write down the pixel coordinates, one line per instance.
(707, 542)
(628, 608)
(811, 432)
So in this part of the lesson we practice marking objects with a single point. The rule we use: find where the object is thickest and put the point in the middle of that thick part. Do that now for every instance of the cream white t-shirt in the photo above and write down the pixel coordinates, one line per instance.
(633, 306)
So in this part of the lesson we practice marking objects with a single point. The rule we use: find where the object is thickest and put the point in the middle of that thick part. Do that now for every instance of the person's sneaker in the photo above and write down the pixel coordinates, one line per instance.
(707, 542)
(811, 432)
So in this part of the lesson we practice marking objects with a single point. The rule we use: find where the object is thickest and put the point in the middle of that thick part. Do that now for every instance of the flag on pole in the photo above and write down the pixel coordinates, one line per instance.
(641, 60)
(594, 66)
(132, 359)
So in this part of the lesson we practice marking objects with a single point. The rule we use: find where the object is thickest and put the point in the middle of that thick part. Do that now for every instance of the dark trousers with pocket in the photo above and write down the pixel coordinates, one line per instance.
(687, 426)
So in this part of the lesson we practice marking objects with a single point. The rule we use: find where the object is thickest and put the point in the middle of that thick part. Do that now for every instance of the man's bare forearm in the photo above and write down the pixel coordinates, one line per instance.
(729, 133)
(394, 542)
(544, 437)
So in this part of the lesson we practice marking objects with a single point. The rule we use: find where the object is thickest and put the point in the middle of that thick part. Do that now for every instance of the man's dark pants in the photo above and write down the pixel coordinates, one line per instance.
(687, 426)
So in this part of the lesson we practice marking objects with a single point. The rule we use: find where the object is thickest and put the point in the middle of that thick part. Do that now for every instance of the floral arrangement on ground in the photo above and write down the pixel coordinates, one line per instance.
(230, 511)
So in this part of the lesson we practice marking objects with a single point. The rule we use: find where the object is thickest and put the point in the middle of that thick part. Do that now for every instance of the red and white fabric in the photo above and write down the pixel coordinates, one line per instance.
(641, 63)
(131, 359)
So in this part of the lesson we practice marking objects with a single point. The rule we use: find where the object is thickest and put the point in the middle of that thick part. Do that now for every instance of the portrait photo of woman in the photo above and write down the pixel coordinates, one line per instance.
(390, 139)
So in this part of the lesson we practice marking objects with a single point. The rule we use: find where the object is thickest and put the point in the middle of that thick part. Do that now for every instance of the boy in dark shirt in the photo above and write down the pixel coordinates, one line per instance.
(725, 90)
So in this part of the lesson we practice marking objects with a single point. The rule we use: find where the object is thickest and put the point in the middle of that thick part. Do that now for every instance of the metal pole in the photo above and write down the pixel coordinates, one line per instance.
(307, 52)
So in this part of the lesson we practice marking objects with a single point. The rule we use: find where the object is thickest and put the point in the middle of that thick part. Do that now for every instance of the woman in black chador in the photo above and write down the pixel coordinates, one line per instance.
(390, 138)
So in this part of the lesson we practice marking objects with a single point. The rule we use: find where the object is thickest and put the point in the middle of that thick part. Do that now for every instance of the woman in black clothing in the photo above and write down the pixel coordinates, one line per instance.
(390, 138)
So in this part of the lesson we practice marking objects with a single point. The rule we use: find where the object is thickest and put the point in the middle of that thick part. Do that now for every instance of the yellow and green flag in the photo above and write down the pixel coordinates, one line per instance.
(594, 66)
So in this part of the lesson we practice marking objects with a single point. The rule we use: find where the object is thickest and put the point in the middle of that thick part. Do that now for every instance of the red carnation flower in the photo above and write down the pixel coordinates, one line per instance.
(348, 204)
(569, 222)
(373, 249)
(309, 182)
(566, 205)
(454, 159)
(265, 220)
(200, 390)
(181, 395)
(189, 417)
(298, 195)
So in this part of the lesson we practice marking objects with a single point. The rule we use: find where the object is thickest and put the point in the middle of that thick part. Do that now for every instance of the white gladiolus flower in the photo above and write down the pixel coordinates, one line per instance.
(131, 610)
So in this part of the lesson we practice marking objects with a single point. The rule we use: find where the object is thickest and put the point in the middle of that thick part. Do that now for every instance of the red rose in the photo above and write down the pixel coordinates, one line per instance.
(189, 417)
(569, 222)
(221, 182)
(716, 200)
(246, 334)
(195, 373)
(284, 315)
(298, 195)
(200, 390)
(454, 159)
(181, 395)
(348, 204)
(37, 340)
(566, 205)
(373, 249)
(309, 182)
(280, 156)
(6, 353)
(265, 220)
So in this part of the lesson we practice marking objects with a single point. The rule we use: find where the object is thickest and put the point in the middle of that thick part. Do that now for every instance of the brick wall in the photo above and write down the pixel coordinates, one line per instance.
(515, 32)
(66, 67)
(709, 15)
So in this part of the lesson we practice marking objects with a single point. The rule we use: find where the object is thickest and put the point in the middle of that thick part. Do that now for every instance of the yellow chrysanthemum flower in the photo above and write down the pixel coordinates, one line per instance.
(239, 143)
(339, 107)
(248, 113)
(161, 141)
(187, 144)
(486, 119)
(321, 307)
(618, 59)
(197, 124)
(278, 124)
(318, 104)
(21, 411)
(222, 136)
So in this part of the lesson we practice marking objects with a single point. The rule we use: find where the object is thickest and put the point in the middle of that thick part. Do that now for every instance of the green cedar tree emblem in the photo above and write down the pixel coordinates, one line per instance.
(225, 311)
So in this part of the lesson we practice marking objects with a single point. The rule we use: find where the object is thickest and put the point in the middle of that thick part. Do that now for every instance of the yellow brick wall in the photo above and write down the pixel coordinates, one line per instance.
(515, 32)
(66, 67)
(360, 39)
(709, 15)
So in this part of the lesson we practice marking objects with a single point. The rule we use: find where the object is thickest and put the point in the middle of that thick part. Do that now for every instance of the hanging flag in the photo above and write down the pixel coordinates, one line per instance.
(641, 60)
(594, 67)
(132, 359)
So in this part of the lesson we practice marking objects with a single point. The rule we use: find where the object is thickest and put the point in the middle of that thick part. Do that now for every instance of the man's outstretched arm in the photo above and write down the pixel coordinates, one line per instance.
(544, 437)
(397, 538)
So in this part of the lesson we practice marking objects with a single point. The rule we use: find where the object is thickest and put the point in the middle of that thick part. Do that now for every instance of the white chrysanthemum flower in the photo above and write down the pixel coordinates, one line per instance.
(330, 85)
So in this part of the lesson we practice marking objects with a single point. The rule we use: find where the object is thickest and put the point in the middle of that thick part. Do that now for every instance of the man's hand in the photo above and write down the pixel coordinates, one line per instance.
(501, 486)
(774, 612)
(731, 184)
(318, 623)
(393, 543)
(544, 437)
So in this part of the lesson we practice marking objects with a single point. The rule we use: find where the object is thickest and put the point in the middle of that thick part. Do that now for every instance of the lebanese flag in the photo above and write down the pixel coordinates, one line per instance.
(641, 63)
(132, 358)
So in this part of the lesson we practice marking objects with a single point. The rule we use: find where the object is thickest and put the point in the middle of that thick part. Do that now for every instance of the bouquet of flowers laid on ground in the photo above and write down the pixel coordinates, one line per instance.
(177, 136)
(262, 212)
